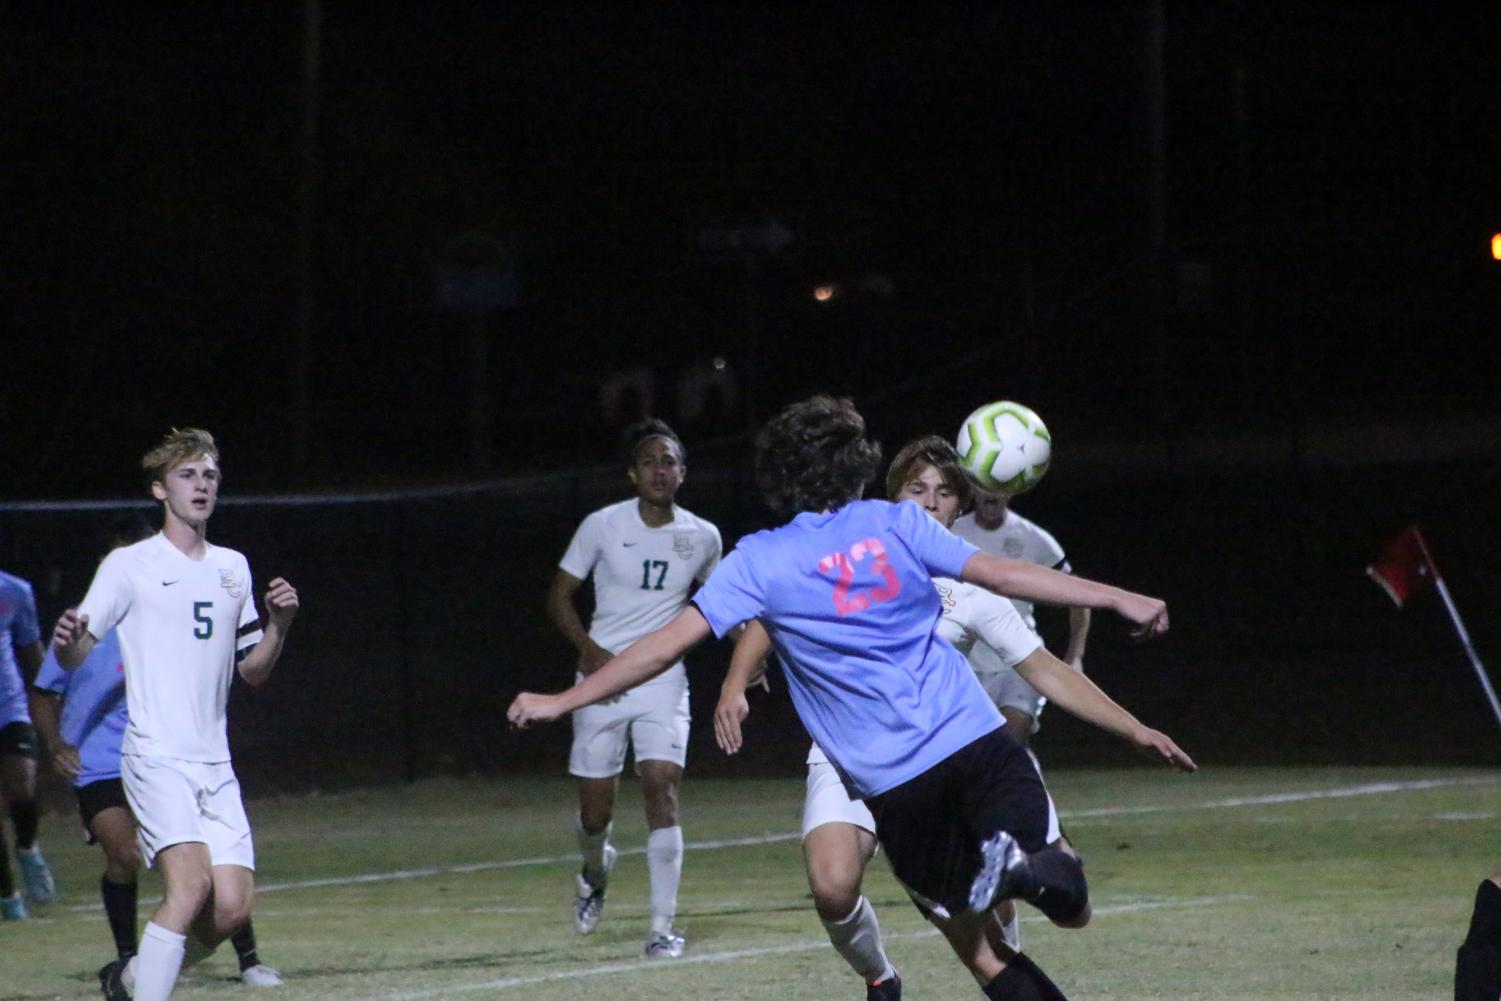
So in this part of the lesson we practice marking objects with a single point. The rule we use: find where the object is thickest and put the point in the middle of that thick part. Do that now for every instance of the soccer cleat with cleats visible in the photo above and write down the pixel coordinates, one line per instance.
(889, 989)
(665, 945)
(40, 889)
(110, 984)
(260, 975)
(13, 908)
(589, 901)
(1005, 873)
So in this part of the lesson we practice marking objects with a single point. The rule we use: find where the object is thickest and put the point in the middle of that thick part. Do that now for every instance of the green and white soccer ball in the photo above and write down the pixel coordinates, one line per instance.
(1005, 447)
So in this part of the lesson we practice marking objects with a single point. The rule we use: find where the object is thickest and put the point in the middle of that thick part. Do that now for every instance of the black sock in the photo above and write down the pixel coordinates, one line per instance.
(120, 909)
(1477, 971)
(26, 817)
(7, 875)
(1021, 980)
(1063, 892)
(244, 943)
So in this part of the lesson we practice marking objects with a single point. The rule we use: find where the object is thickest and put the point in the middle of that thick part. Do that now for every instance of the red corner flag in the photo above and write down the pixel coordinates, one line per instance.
(1404, 566)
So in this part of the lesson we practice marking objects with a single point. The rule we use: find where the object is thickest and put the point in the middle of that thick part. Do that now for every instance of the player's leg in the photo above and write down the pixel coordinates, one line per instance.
(18, 753)
(107, 818)
(596, 759)
(838, 842)
(253, 972)
(1477, 970)
(659, 737)
(1003, 975)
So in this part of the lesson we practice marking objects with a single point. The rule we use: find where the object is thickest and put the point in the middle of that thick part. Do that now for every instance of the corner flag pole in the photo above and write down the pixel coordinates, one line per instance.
(1459, 627)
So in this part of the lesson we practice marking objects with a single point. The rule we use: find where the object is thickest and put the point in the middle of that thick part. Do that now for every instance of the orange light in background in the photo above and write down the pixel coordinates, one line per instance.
(1496, 246)
(823, 293)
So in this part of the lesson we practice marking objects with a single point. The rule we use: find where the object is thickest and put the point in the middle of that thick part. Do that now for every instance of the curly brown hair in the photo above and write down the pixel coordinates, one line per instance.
(929, 451)
(814, 456)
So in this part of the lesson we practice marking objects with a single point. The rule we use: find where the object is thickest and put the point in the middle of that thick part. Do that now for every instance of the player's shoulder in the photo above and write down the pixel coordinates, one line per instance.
(13, 585)
(682, 517)
(1021, 525)
(148, 550)
(618, 513)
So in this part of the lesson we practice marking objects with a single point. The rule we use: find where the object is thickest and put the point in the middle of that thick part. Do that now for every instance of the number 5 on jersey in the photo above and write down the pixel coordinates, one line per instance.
(205, 627)
(846, 603)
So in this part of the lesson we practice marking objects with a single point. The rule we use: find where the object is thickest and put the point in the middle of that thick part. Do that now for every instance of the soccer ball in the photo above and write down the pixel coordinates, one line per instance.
(1005, 447)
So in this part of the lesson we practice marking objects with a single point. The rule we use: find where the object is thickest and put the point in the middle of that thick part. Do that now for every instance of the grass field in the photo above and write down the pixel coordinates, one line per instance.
(1234, 883)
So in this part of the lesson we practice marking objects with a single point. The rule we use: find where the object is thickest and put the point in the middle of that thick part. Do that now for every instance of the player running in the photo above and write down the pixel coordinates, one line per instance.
(186, 617)
(20, 647)
(81, 716)
(845, 591)
(646, 556)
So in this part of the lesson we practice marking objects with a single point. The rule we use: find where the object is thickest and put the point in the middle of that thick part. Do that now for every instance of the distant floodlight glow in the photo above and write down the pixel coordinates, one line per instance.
(823, 293)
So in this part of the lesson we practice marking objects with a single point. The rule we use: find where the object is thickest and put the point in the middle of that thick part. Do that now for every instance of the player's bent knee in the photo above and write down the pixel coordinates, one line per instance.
(836, 889)
(1079, 920)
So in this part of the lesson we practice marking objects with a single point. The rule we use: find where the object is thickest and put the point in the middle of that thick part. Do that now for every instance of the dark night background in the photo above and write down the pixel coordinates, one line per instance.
(1237, 254)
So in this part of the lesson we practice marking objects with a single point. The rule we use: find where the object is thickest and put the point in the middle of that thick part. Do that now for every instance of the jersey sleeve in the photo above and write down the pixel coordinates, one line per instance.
(995, 623)
(941, 551)
(51, 677)
(108, 599)
(583, 549)
(716, 550)
(249, 632)
(1052, 552)
(24, 629)
(731, 595)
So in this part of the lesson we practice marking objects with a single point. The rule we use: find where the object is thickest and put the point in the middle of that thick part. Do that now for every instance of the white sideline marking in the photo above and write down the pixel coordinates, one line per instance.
(807, 945)
(1367, 789)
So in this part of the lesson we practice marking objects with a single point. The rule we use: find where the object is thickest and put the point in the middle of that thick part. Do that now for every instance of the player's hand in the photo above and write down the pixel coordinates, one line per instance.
(65, 759)
(728, 715)
(70, 628)
(593, 658)
(529, 708)
(1156, 744)
(1148, 616)
(281, 603)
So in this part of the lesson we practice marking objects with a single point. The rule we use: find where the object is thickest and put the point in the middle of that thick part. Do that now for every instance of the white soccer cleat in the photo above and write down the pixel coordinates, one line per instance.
(589, 901)
(1005, 872)
(40, 889)
(665, 945)
(260, 975)
(12, 908)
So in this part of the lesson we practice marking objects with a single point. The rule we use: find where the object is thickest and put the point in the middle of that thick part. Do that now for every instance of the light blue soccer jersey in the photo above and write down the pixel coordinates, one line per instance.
(18, 628)
(848, 601)
(94, 714)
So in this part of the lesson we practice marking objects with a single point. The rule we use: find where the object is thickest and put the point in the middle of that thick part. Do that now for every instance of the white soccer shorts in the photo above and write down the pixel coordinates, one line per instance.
(652, 719)
(1008, 689)
(828, 802)
(176, 801)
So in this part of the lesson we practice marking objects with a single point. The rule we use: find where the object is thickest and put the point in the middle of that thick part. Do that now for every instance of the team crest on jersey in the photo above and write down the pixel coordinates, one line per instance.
(682, 544)
(945, 597)
(1012, 548)
(227, 581)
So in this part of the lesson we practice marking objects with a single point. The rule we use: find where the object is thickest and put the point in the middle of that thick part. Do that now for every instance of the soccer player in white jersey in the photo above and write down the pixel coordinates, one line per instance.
(646, 555)
(186, 617)
(839, 837)
(845, 590)
(1000, 531)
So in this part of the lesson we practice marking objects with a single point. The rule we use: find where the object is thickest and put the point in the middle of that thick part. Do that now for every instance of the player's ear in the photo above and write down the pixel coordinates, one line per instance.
(158, 490)
(631, 472)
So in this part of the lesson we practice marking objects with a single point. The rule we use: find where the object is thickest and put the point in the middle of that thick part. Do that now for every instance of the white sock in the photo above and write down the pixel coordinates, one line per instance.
(857, 937)
(592, 848)
(1011, 930)
(664, 863)
(157, 963)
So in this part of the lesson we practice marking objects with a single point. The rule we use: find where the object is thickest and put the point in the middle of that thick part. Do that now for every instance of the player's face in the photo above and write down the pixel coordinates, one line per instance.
(190, 490)
(658, 471)
(990, 509)
(931, 490)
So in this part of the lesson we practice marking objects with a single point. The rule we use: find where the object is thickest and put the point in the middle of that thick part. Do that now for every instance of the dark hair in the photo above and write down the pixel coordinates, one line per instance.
(929, 451)
(125, 530)
(639, 433)
(814, 456)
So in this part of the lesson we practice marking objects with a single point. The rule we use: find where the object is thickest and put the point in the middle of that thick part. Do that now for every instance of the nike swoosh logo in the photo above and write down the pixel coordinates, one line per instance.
(627, 544)
(169, 583)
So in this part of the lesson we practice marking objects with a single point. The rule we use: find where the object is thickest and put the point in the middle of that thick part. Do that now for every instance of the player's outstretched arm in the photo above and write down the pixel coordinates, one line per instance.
(642, 660)
(1074, 692)
(281, 608)
(71, 639)
(747, 663)
(1020, 579)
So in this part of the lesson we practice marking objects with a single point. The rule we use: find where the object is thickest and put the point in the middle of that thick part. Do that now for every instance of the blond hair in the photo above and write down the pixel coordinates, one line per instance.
(177, 447)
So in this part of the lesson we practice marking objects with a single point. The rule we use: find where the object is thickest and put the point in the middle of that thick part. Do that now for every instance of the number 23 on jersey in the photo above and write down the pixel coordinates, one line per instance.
(849, 600)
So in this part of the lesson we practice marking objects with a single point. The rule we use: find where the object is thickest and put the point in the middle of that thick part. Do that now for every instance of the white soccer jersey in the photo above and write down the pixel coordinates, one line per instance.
(642, 575)
(182, 622)
(1019, 539)
(976, 622)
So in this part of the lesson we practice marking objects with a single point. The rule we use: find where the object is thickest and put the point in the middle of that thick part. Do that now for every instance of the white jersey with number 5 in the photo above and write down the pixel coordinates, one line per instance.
(182, 625)
(642, 575)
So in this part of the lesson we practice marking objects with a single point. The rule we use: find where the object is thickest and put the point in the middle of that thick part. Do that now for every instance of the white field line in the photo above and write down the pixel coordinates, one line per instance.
(805, 945)
(1339, 792)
